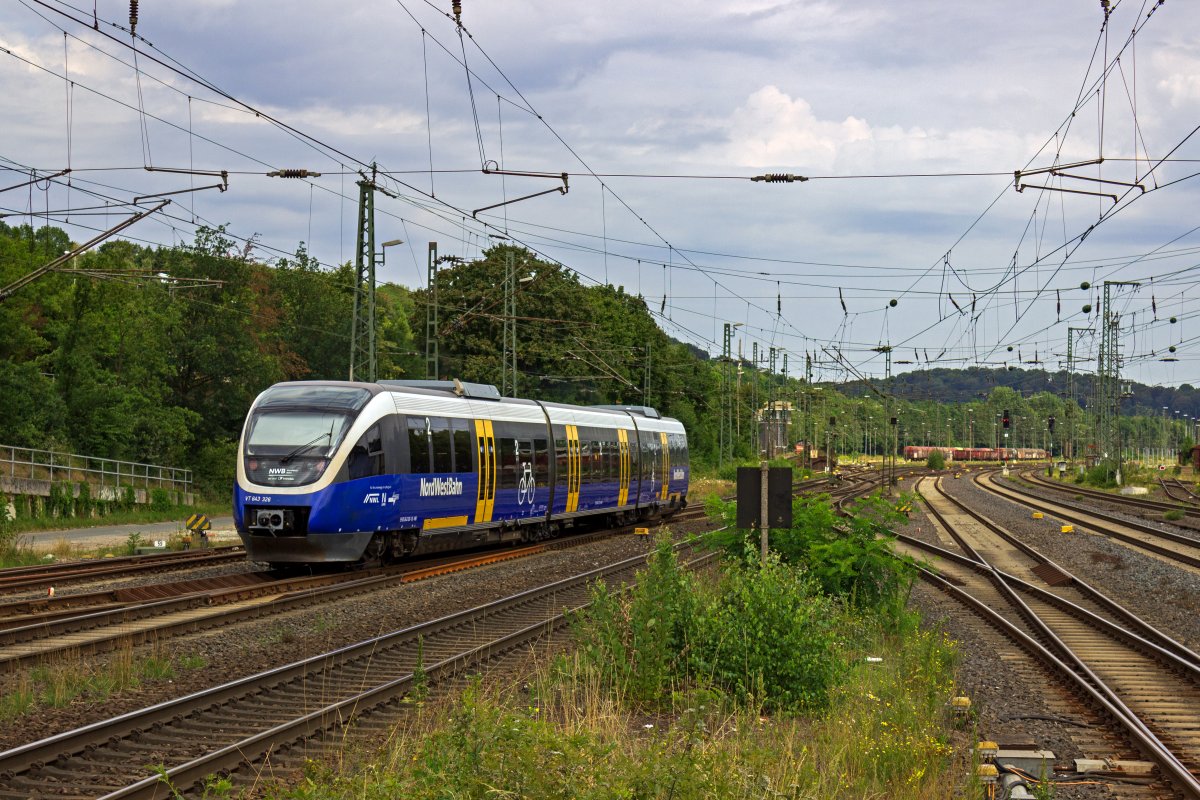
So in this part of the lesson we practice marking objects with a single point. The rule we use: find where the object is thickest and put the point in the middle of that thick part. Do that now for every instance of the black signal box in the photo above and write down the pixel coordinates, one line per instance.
(749, 497)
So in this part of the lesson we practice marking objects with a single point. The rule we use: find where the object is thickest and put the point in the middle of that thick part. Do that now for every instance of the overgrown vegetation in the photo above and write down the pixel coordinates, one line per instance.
(749, 683)
(936, 460)
(849, 558)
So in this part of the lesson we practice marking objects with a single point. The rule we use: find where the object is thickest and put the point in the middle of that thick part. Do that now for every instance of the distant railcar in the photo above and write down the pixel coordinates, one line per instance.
(334, 471)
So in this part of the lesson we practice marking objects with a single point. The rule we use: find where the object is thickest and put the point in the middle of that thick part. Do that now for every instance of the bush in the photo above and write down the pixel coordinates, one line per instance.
(160, 499)
(767, 638)
(1103, 475)
(762, 635)
(729, 471)
(936, 460)
(1174, 515)
(6, 522)
(61, 503)
(851, 559)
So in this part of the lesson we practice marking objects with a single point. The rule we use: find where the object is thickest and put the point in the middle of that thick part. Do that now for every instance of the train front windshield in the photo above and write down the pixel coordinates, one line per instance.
(295, 430)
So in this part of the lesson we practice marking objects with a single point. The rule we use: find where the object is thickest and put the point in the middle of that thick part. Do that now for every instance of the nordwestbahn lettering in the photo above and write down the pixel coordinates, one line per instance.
(437, 487)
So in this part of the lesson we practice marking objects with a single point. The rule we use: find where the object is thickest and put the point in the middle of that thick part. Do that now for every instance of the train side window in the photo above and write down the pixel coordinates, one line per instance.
(508, 463)
(541, 460)
(366, 457)
(418, 445)
(585, 461)
(443, 445)
(561, 467)
(463, 446)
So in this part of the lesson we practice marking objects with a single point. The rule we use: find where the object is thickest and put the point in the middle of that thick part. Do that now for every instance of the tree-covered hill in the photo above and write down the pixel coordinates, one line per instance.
(154, 354)
(975, 383)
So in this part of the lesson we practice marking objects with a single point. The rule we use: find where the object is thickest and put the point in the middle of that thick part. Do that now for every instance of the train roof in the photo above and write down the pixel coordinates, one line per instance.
(466, 390)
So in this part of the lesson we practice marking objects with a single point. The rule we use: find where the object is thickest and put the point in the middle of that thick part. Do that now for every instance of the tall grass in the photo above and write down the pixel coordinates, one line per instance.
(69, 678)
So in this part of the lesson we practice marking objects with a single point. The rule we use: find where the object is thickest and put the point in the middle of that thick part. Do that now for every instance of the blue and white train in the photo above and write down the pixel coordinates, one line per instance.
(335, 471)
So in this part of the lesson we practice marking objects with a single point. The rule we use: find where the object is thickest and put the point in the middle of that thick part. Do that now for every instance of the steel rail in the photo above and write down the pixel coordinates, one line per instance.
(1142, 633)
(1118, 499)
(15, 579)
(1188, 495)
(188, 609)
(1071, 514)
(1180, 776)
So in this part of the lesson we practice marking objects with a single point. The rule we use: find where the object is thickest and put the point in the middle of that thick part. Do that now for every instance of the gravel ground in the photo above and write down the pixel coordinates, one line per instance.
(1006, 697)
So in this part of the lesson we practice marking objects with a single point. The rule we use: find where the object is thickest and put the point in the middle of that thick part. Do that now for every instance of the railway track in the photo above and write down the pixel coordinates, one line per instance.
(1178, 490)
(44, 576)
(1175, 547)
(296, 710)
(1143, 504)
(193, 606)
(1120, 670)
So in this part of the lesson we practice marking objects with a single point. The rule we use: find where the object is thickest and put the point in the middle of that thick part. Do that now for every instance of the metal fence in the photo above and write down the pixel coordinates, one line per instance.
(50, 465)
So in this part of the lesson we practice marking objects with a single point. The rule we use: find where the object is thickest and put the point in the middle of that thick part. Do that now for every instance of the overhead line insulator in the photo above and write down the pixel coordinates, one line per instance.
(779, 177)
(293, 173)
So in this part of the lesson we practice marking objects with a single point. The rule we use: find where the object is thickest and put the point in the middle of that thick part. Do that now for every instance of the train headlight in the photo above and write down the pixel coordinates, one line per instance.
(269, 519)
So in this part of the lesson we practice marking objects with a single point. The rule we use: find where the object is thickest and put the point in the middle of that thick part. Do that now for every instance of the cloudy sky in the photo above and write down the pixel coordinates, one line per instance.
(909, 119)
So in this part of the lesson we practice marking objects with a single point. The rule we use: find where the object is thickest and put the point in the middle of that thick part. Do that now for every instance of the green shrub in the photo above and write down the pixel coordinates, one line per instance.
(128, 498)
(762, 635)
(766, 638)
(61, 502)
(1174, 514)
(160, 499)
(936, 460)
(851, 559)
(1103, 475)
(729, 471)
(7, 525)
